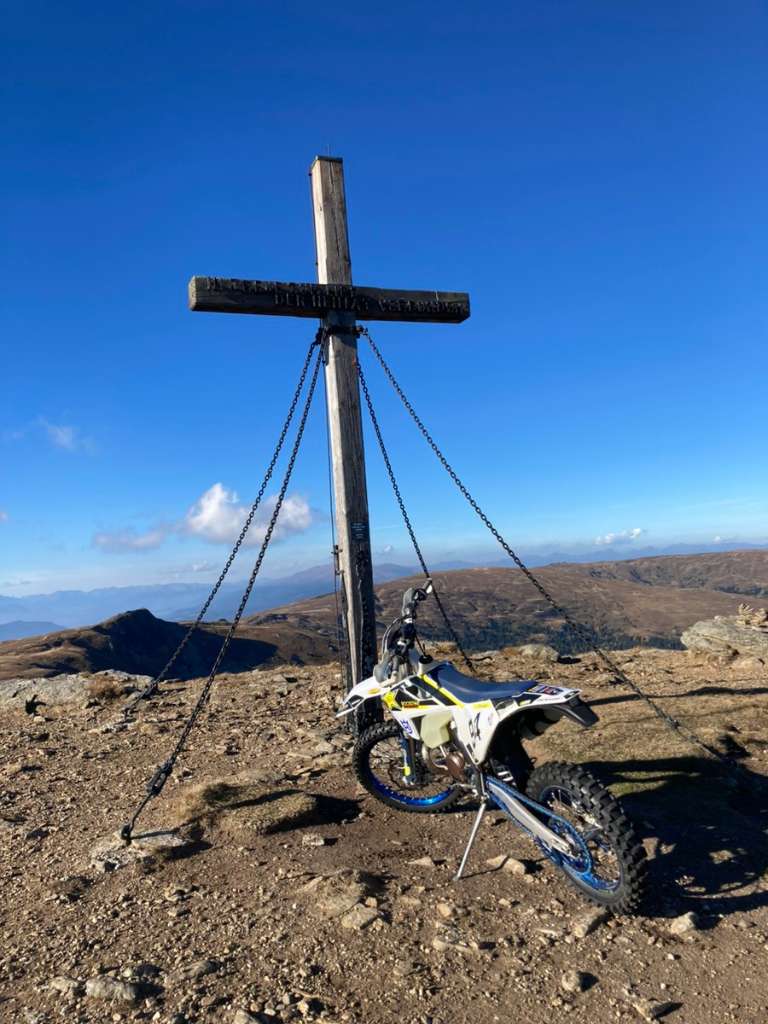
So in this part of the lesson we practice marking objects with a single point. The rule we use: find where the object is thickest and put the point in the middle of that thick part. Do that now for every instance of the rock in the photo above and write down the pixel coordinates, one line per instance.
(243, 1017)
(497, 862)
(574, 981)
(194, 970)
(359, 917)
(309, 1007)
(446, 910)
(441, 945)
(727, 635)
(749, 663)
(333, 897)
(516, 867)
(684, 923)
(64, 688)
(313, 839)
(424, 862)
(650, 1010)
(111, 853)
(146, 971)
(112, 990)
(539, 652)
(586, 923)
(66, 986)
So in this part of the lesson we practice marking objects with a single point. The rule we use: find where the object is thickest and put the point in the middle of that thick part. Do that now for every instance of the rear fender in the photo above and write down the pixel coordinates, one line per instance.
(538, 709)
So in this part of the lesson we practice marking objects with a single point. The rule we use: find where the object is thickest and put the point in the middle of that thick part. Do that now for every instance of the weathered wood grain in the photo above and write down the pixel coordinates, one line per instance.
(345, 426)
(284, 298)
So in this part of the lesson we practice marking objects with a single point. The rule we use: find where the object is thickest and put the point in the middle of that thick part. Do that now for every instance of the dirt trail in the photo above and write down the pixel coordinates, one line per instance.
(308, 900)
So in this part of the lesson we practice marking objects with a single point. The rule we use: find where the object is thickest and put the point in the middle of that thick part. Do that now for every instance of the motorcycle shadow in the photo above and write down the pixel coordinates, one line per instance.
(707, 840)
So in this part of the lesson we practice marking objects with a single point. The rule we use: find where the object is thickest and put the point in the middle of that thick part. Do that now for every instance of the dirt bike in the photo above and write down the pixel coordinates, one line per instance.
(452, 735)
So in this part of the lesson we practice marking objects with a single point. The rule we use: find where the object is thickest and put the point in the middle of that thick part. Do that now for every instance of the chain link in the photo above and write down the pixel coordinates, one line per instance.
(406, 518)
(152, 686)
(160, 777)
(579, 631)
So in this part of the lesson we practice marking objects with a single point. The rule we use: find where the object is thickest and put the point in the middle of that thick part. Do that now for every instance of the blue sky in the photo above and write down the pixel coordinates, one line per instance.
(592, 173)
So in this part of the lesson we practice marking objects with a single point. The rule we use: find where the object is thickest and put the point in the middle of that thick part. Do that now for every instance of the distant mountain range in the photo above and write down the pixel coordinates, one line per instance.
(20, 616)
(16, 630)
(44, 613)
(621, 604)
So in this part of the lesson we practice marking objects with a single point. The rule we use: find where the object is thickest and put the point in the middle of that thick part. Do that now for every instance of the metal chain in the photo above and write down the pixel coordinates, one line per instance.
(579, 631)
(160, 777)
(152, 686)
(407, 520)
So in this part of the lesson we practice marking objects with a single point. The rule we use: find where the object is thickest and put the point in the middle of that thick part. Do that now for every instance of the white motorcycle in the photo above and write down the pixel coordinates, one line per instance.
(452, 735)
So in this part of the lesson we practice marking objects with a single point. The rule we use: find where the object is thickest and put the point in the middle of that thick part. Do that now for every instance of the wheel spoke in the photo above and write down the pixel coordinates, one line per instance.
(387, 763)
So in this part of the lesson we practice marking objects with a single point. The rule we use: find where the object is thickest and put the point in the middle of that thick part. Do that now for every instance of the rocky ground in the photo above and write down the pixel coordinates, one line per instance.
(293, 896)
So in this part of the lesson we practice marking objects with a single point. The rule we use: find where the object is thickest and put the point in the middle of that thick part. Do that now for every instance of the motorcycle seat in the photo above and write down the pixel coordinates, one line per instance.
(468, 690)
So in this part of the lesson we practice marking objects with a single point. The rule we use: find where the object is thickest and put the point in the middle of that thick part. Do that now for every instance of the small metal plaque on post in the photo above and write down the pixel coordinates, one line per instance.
(359, 531)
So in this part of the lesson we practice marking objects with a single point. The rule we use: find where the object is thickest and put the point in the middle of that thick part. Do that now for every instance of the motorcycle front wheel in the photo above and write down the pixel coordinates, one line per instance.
(607, 860)
(382, 768)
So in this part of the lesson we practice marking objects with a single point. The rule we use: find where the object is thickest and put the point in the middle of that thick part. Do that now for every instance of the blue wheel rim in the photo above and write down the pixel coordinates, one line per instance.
(581, 868)
(405, 799)
(409, 801)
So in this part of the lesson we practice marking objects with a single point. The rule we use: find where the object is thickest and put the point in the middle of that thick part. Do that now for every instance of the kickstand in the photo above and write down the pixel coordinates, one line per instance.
(481, 811)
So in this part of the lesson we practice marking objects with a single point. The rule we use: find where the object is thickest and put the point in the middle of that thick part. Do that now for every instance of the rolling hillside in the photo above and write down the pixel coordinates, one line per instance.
(493, 607)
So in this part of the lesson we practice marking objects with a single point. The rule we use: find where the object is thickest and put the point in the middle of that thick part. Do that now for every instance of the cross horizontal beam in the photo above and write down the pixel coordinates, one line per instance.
(280, 298)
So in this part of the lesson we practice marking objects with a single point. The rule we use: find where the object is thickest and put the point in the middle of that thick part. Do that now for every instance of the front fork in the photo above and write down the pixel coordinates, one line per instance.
(411, 770)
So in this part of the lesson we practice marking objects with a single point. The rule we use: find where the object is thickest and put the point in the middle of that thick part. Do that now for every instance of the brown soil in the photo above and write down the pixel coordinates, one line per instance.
(323, 912)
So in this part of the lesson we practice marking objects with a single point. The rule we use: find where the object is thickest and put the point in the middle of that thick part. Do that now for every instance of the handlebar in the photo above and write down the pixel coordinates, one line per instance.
(405, 631)
(413, 596)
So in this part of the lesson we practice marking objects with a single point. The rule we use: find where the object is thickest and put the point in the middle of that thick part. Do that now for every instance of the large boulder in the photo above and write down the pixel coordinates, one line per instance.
(743, 634)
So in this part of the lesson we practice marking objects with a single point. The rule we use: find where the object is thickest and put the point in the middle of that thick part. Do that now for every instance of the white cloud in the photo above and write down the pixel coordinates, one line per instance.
(620, 537)
(218, 516)
(3, 516)
(120, 541)
(66, 437)
(717, 540)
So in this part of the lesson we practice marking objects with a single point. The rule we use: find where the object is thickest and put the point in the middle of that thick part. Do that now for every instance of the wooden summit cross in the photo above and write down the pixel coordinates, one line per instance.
(338, 303)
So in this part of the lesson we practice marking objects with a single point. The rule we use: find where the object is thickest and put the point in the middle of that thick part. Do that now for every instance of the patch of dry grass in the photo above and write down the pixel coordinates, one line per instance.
(104, 689)
(237, 804)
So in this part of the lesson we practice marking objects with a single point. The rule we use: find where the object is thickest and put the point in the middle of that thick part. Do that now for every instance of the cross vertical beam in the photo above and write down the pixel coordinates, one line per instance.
(344, 421)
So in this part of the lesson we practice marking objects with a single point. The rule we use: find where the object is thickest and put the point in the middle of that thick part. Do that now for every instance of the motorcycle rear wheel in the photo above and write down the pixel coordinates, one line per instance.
(378, 763)
(608, 864)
